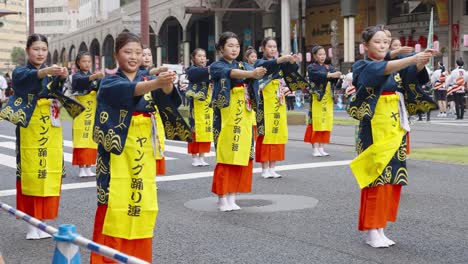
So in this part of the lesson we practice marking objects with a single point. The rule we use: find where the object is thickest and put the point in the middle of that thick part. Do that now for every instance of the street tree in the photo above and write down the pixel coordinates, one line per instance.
(18, 56)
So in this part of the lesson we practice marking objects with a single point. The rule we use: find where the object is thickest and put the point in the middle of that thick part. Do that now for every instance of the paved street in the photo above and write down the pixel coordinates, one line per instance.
(432, 224)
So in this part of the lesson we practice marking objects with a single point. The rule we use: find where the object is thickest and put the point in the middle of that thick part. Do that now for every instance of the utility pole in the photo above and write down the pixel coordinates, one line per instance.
(31, 17)
(144, 23)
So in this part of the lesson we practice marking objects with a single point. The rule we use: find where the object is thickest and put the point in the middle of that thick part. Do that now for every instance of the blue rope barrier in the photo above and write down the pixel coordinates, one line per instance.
(66, 237)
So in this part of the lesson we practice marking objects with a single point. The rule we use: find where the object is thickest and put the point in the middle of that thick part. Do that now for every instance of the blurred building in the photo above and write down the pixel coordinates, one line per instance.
(13, 32)
(178, 26)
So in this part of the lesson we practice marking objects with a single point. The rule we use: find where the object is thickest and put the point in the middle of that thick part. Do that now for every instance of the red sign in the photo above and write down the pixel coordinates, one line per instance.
(96, 63)
(455, 36)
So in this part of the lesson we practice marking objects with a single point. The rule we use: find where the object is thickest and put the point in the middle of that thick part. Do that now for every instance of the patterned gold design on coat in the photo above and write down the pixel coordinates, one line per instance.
(18, 101)
(387, 173)
(30, 99)
(102, 195)
(109, 141)
(103, 117)
(101, 167)
(401, 176)
(401, 155)
(123, 115)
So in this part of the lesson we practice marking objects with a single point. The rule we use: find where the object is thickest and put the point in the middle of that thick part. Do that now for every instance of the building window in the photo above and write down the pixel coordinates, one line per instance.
(465, 8)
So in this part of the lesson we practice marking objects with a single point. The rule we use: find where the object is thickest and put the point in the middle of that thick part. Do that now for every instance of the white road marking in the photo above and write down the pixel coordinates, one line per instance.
(8, 161)
(198, 175)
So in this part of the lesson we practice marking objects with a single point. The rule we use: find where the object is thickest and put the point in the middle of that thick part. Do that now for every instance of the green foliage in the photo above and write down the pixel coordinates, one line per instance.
(18, 56)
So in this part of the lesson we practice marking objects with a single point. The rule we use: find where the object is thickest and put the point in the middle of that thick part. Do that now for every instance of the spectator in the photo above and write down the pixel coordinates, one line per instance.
(182, 86)
(290, 95)
(428, 89)
(3, 87)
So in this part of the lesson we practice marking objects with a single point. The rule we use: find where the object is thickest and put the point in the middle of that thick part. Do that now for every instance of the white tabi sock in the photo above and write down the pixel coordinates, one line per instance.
(231, 199)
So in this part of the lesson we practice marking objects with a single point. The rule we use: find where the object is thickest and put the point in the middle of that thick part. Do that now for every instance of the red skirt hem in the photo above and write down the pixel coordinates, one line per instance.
(140, 248)
(312, 136)
(43, 208)
(268, 152)
(229, 178)
(198, 147)
(161, 167)
(84, 156)
(379, 205)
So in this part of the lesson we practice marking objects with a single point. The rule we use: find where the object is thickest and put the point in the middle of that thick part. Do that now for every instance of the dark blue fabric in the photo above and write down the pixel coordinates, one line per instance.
(318, 78)
(81, 85)
(28, 89)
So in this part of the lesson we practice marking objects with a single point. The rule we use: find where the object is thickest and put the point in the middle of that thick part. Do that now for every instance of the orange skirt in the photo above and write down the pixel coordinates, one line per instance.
(198, 147)
(84, 156)
(268, 152)
(255, 133)
(407, 143)
(378, 206)
(312, 136)
(140, 248)
(161, 167)
(229, 178)
(43, 208)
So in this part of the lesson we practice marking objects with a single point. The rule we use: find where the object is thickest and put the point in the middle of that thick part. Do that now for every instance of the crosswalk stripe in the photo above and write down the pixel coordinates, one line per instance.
(68, 157)
(8, 161)
(197, 175)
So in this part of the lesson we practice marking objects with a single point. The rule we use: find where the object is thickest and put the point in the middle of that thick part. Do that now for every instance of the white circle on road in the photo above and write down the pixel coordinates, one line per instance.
(262, 203)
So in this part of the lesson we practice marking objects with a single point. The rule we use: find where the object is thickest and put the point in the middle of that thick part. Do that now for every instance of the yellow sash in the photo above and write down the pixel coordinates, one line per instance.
(161, 133)
(322, 111)
(276, 124)
(235, 138)
(386, 135)
(133, 205)
(41, 150)
(83, 124)
(203, 115)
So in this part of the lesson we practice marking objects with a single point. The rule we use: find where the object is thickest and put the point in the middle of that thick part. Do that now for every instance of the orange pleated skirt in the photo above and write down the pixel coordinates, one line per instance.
(268, 152)
(312, 136)
(407, 143)
(161, 166)
(255, 133)
(232, 178)
(140, 248)
(84, 156)
(195, 147)
(43, 208)
(379, 205)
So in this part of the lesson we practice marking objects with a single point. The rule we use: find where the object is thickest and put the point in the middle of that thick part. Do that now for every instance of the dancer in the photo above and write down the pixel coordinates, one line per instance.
(380, 168)
(34, 109)
(84, 87)
(232, 125)
(201, 114)
(147, 70)
(321, 103)
(127, 147)
(457, 81)
(397, 51)
(438, 80)
(250, 58)
(271, 114)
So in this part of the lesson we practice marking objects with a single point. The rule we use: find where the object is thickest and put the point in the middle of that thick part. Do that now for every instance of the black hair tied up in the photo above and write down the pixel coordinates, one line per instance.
(124, 38)
(265, 41)
(369, 32)
(36, 37)
(79, 56)
(460, 62)
(316, 48)
(223, 39)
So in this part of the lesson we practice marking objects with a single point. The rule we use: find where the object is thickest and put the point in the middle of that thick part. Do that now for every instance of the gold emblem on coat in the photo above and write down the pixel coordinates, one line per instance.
(103, 117)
